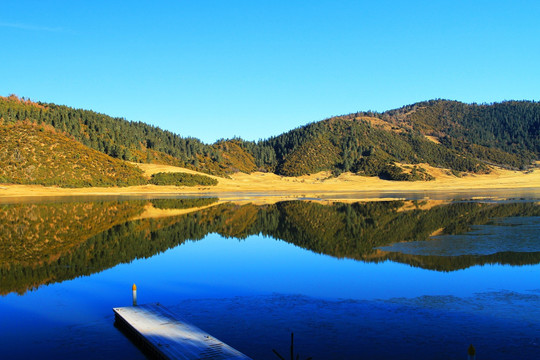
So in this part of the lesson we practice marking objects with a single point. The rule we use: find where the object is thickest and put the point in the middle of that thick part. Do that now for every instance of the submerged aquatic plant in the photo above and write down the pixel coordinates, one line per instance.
(292, 351)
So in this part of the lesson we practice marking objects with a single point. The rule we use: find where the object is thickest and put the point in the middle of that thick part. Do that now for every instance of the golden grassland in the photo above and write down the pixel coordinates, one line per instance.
(39, 154)
(241, 185)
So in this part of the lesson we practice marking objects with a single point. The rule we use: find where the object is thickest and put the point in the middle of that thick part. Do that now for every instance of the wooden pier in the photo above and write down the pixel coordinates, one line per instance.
(167, 336)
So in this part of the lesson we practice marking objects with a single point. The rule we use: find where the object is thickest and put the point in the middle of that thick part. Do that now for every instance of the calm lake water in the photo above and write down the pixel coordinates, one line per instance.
(403, 279)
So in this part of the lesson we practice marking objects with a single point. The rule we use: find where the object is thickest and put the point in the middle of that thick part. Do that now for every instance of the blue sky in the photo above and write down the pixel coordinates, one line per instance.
(216, 69)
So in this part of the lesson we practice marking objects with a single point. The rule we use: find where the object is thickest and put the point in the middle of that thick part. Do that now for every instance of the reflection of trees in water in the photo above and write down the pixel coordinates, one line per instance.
(96, 236)
(451, 263)
(354, 230)
(36, 233)
(182, 203)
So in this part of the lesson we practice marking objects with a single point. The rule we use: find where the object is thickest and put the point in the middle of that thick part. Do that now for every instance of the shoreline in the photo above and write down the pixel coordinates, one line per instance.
(319, 185)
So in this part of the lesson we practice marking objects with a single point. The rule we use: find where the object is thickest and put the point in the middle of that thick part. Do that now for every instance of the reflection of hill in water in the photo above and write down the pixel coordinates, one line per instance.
(44, 243)
(355, 230)
(39, 233)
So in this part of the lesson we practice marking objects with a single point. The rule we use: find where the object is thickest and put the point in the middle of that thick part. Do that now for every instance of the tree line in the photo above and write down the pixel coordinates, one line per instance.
(469, 137)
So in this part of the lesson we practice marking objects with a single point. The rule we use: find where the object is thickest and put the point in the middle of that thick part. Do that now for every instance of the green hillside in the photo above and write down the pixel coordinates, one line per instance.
(447, 134)
(37, 154)
(506, 133)
(363, 148)
(117, 137)
(234, 157)
(312, 156)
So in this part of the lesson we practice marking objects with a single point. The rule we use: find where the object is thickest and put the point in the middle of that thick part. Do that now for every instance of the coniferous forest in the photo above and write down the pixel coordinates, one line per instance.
(392, 145)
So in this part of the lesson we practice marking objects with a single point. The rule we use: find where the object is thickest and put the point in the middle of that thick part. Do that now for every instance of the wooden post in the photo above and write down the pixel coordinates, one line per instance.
(134, 295)
(471, 352)
(292, 346)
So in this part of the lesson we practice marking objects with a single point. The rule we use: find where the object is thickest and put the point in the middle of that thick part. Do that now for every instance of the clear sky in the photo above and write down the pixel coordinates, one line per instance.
(216, 69)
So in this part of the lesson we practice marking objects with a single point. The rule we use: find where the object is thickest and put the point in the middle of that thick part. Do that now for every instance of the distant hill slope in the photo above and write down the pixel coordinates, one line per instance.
(312, 156)
(116, 137)
(360, 147)
(234, 157)
(506, 133)
(37, 154)
(447, 134)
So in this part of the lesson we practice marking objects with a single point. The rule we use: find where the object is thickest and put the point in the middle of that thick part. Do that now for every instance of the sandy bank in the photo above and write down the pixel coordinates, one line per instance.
(245, 185)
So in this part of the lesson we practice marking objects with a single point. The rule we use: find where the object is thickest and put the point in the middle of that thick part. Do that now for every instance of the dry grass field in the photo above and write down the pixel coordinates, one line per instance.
(242, 185)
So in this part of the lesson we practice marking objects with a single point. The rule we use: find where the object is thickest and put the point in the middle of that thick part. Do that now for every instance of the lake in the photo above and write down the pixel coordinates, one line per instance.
(408, 277)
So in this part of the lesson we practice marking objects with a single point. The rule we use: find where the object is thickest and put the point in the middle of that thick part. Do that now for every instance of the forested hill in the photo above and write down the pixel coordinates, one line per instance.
(449, 134)
(37, 154)
(116, 137)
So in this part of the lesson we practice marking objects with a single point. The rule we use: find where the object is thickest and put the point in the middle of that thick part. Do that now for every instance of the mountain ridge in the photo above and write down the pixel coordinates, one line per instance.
(442, 133)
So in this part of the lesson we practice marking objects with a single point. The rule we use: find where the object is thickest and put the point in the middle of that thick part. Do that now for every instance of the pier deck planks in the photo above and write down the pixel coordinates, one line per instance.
(170, 337)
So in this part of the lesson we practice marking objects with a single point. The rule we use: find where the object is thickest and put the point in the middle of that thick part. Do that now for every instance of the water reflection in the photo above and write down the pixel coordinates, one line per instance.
(43, 243)
(505, 235)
